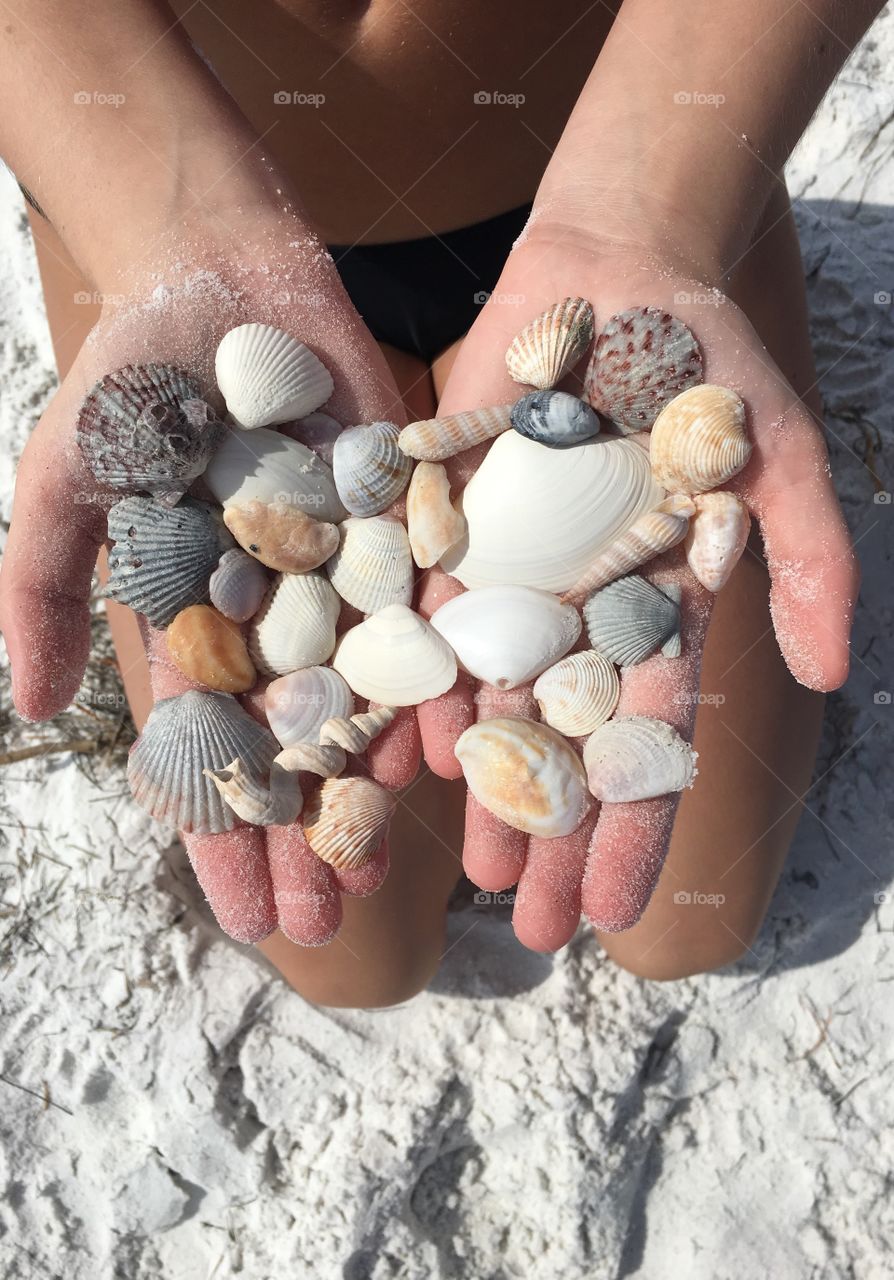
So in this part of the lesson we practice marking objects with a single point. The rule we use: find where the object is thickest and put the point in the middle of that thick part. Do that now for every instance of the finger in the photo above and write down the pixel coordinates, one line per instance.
(363, 881)
(307, 899)
(393, 758)
(232, 870)
(441, 722)
(548, 900)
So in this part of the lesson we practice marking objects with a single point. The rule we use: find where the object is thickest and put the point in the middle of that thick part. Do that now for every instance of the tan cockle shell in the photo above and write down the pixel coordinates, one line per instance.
(551, 345)
(698, 441)
(346, 820)
(579, 693)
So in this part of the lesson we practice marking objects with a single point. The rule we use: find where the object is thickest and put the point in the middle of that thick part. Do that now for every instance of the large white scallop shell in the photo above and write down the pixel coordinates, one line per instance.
(526, 774)
(507, 635)
(551, 345)
(434, 439)
(433, 523)
(538, 517)
(267, 377)
(299, 704)
(295, 627)
(373, 566)
(267, 466)
(579, 693)
(631, 618)
(699, 441)
(370, 468)
(637, 758)
(716, 538)
(346, 820)
(396, 658)
(647, 537)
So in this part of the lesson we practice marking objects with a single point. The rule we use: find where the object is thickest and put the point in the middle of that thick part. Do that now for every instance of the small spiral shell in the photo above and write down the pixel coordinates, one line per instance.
(355, 734)
(325, 761)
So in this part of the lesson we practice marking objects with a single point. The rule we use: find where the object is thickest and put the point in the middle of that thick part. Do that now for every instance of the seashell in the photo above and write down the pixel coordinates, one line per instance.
(281, 535)
(274, 805)
(647, 537)
(538, 517)
(210, 650)
(637, 758)
(238, 585)
(507, 635)
(318, 431)
(551, 345)
(434, 439)
(554, 418)
(295, 627)
(372, 566)
(526, 774)
(370, 468)
(266, 466)
(630, 619)
(642, 359)
(163, 556)
(579, 693)
(299, 704)
(309, 757)
(181, 738)
(396, 658)
(433, 523)
(717, 536)
(355, 734)
(698, 441)
(267, 377)
(346, 820)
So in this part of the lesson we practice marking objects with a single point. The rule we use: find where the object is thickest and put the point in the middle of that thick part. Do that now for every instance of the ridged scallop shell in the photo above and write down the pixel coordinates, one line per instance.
(299, 704)
(273, 804)
(346, 820)
(642, 359)
(282, 536)
(295, 627)
(698, 441)
(319, 431)
(370, 468)
(238, 585)
(526, 774)
(579, 693)
(653, 533)
(396, 658)
(209, 650)
(630, 619)
(507, 635)
(182, 737)
(717, 536)
(551, 345)
(267, 377)
(637, 758)
(163, 556)
(146, 428)
(355, 733)
(434, 439)
(538, 517)
(433, 523)
(554, 418)
(373, 566)
(267, 466)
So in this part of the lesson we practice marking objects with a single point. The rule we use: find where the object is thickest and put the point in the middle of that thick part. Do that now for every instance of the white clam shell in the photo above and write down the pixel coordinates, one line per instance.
(717, 536)
(299, 704)
(538, 517)
(295, 627)
(373, 566)
(433, 523)
(346, 820)
(579, 693)
(507, 635)
(434, 439)
(630, 619)
(274, 804)
(396, 658)
(551, 345)
(637, 758)
(370, 468)
(526, 774)
(650, 535)
(238, 585)
(267, 466)
(267, 377)
(699, 441)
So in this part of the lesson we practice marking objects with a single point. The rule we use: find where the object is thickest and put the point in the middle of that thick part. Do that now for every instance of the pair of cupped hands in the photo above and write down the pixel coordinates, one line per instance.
(257, 878)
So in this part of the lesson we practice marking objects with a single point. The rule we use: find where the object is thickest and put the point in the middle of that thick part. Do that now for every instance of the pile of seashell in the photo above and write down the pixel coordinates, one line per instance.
(570, 501)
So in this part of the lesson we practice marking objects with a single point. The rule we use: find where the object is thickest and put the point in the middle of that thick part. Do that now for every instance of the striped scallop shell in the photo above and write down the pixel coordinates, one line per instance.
(653, 533)
(551, 345)
(434, 439)
(717, 536)
(396, 658)
(299, 704)
(373, 566)
(267, 466)
(163, 557)
(267, 377)
(295, 627)
(637, 758)
(642, 359)
(370, 468)
(630, 619)
(346, 820)
(698, 441)
(238, 585)
(183, 736)
(579, 693)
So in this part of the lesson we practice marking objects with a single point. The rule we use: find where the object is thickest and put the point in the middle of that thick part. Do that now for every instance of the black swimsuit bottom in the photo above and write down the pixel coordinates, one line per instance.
(421, 295)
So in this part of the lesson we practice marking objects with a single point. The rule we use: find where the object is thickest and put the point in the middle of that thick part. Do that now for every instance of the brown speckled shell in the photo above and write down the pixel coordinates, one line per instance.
(641, 360)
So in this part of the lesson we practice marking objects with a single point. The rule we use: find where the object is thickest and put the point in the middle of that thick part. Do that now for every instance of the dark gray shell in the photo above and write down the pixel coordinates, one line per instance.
(163, 556)
(641, 360)
(554, 418)
(630, 619)
(145, 429)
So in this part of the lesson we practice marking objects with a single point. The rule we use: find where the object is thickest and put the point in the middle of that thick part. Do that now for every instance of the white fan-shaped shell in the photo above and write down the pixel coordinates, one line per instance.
(396, 658)
(373, 566)
(370, 468)
(295, 627)
(698, 441)
(434, 439)
(347, 819)
(579, 693)
(299, 704)
(538, 517)
(637, 758)
(267, 377)
(716, 538)
(630, 619)
(238, 585)
(551, 345)
(266, 466)
(507, 635)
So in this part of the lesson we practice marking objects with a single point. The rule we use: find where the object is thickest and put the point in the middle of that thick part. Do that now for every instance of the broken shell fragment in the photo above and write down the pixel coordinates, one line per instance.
(653, 533)
(554, 418)
(551, 345)
(295, 627)
(641, 360)
(698, 441)
(372, 566)
(717, 536)
(395, 658)
(238, 584)
(434, 439)
(281, 535)
(274, 804)
(370, 469)
(267, 377)
(346, 820)
(209, 649)
(579, 693)
(637, 758)
(433, 523)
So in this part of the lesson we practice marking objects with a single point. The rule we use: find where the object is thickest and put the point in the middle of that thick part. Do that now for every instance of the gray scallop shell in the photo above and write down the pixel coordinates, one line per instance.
(183, 736)
(146, 429)
(554, 418)
(630, 619)
(163, 556)
(370, 469)
(238, 585)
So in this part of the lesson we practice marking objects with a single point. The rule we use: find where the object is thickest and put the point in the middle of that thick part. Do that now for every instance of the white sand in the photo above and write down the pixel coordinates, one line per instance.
(527, 1116)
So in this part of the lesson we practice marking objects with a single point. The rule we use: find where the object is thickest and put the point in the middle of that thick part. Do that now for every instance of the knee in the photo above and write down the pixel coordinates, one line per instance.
(671, 958)
(331, 979)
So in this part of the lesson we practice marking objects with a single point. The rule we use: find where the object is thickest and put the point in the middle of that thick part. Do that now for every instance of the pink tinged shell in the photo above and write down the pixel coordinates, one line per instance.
(637, 758)
(238, 585)
(551, 345)
(434, 439)
(641, 360)
(699, 440)
(649, 536)
(299, 704)
(346, 820)
(717, 536)
(318, 431)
